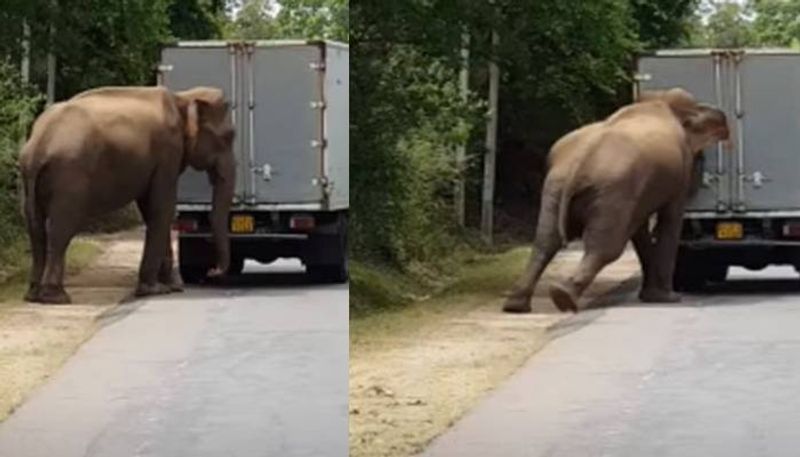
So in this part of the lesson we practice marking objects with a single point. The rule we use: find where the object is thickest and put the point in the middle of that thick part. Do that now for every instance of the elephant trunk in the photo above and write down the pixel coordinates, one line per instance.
(223, 180)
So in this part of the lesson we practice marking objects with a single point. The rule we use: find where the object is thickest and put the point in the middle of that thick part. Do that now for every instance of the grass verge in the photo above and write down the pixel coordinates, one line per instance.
(416, 366)
(16, 263)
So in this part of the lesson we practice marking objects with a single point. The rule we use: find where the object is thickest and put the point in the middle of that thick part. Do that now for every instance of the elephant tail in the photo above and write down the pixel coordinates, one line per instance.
(563, 211)
(567, 192)
(30, 172)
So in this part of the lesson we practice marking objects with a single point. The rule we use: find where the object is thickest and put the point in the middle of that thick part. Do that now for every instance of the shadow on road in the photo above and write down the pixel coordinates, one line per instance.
(267, 279)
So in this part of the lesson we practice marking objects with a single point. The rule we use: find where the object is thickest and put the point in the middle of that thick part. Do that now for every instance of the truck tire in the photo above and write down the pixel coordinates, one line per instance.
(693, 270)
(191, 260)
(689, 275)
(236, 266)
(334, 273)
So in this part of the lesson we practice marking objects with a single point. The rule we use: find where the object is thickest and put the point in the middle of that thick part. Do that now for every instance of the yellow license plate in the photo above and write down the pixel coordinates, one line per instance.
(729, 231)
(242, 224)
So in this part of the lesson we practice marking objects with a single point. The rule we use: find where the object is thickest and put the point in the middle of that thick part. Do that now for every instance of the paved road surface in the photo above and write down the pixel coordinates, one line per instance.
(718, 375)
(258, 368)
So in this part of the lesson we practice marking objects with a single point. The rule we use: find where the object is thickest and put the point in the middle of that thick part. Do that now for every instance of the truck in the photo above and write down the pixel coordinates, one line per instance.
(289, 102)
(744, 207)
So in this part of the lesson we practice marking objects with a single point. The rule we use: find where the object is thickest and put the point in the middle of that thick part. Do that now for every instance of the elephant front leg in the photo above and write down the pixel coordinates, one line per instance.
(167, 273)
(157, 212)
(643, 246)
(664, 252)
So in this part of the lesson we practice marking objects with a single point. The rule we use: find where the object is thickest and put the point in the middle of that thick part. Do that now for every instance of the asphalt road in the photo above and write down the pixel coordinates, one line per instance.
(255, 368)
(718, 375)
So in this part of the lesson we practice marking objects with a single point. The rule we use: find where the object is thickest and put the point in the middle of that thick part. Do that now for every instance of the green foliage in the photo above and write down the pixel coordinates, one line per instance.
(662, 23)
(195, 19)
(299, 19)
(562, 63)
(727, 24)
(776, 22)
(17, 106)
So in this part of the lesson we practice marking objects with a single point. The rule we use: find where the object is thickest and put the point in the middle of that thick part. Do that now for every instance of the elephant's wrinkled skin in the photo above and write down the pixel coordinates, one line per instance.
(604, 182)
(107, 147)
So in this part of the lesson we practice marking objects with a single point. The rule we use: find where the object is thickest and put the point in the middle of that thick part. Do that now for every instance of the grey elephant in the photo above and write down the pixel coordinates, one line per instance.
(107, 147)
(606, 180)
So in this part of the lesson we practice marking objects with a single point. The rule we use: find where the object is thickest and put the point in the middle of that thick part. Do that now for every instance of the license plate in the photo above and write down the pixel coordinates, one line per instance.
(241, 223)
(729, 231)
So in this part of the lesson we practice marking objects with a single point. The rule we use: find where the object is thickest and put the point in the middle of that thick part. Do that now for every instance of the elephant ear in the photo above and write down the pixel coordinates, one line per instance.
(205, 113)
(704, 126)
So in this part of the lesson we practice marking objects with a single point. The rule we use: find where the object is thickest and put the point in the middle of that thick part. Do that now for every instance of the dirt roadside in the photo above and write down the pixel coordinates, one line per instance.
(36, 340)
(414, 373)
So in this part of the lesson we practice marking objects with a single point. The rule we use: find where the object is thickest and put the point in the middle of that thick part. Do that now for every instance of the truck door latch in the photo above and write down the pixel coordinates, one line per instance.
(709, 178)
(265, 171)
(758, 179)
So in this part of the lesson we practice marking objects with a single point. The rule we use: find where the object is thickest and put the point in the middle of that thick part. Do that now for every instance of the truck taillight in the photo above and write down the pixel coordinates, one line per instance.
(185, 225)
(304, 223)
(791, 229)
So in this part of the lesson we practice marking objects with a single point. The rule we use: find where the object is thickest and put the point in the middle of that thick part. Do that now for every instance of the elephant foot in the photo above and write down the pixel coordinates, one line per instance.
(172, 280)
(32, 296)
(517, 304)
(659, 296)
(563, 298)
(53, 295)
(144, 290)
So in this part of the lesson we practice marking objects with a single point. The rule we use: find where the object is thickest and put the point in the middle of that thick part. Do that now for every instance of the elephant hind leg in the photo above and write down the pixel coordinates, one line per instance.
(604, 243)
(37, 236)
(65, 217)
(545, 247)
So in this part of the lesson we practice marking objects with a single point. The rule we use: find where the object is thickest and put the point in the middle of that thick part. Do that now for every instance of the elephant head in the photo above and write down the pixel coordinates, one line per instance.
(704, 124)
(208, 147)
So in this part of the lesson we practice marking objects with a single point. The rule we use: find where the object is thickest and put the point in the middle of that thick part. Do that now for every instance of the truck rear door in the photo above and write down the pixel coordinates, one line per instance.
(206, 64)
(285, 124)
(707, 78)
(768, 131)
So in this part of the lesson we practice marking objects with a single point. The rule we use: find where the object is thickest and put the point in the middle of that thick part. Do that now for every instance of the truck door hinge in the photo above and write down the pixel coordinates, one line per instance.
(319, 66)
(324, 182)
(642, 77)
(319, 143)
(317, 105)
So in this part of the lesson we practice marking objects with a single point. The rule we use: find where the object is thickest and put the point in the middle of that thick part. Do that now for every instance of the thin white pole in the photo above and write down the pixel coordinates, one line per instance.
(25, 68)
(461, 150)
(51, 61)
(487, 208)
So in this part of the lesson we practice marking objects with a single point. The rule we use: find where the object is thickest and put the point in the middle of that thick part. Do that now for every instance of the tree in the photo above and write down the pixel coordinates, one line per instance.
(776, 22)
(195, 19)
(300, 19)
(662, 23)
(723, 24)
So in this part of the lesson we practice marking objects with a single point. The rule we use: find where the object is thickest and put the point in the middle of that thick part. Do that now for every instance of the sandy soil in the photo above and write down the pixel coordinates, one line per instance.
(35, 340)
(410, 382)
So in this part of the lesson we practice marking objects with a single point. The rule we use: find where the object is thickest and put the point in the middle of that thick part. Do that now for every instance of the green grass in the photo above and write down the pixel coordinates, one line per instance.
(16, 261)
(382, 290)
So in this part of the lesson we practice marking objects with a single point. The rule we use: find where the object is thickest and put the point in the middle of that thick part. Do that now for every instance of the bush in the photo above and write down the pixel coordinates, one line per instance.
(408, 119)
(17, 107)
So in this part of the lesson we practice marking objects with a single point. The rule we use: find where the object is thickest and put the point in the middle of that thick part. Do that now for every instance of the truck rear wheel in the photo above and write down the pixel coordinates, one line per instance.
(193, 260)
(693, 270)
(333, 274)
(338, 272)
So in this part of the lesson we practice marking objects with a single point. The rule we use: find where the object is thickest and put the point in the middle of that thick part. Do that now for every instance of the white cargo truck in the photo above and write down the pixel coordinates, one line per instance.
(290, 107)
(746, 204)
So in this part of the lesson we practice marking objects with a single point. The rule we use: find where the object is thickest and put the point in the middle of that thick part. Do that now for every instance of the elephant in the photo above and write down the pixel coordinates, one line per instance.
(110, 146)
(604, 183)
